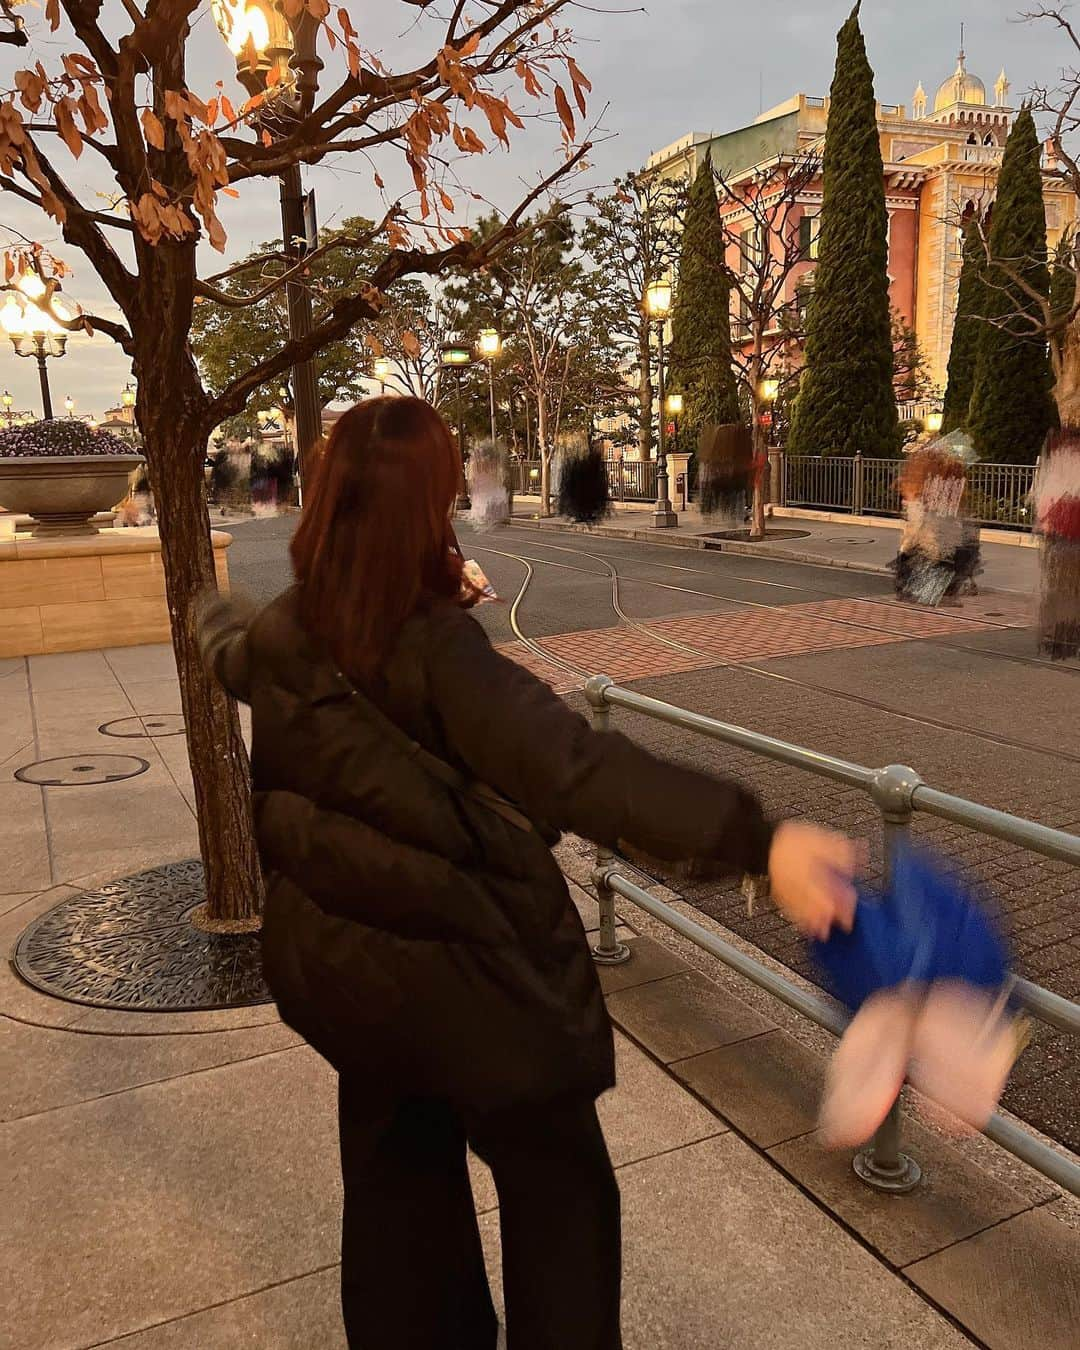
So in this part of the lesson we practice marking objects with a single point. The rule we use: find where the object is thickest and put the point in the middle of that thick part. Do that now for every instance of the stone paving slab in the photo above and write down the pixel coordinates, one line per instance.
(1017, 1286)
(768, 1087)
(301, 1314)
(954, 1200)
(168, 1198)
(719, 1252)
(45, 1068)
(683, 1015)
(649, 960)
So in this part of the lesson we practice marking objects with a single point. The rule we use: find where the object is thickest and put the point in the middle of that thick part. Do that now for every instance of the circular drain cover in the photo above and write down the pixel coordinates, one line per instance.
(153, 725)
(130, 945)
(78, 770)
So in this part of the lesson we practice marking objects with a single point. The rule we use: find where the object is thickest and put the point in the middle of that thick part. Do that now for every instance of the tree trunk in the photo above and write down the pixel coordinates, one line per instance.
(760, 440)
(545, 456)
(170, 404)
(645, 394)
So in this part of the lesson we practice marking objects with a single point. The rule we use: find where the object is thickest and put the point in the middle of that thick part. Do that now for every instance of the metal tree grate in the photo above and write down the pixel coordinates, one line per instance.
(131, 946)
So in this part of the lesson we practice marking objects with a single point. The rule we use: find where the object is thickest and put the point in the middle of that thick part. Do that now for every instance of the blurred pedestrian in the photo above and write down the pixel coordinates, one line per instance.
(937, 555)
(409, 783)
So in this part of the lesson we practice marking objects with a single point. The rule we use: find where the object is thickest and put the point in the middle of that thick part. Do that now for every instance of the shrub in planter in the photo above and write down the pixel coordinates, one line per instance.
(63, 473)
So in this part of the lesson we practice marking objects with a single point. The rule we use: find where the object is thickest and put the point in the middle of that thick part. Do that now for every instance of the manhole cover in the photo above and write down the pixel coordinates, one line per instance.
(80, 770)
(155, 725)
(130, 945)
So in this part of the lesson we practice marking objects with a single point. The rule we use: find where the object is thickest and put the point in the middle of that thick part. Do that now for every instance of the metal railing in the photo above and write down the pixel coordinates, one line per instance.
(897, 791)
(631, 480)
(628, 480)
(997, 494)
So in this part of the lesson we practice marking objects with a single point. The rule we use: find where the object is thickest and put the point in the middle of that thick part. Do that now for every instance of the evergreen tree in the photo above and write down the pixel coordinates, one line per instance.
(701, 368)
(1011, 404)
(971, 310)
(1063, 277)
(846, 403)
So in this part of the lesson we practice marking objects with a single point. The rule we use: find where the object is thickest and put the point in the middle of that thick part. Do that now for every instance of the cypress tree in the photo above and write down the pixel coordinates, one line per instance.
(1063, 278)
(846, 402)
(701, 368)
(971, 309)
(1011, 404)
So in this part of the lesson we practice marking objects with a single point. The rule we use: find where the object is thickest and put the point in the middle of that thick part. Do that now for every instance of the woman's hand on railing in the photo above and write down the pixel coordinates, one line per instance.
(812, 876)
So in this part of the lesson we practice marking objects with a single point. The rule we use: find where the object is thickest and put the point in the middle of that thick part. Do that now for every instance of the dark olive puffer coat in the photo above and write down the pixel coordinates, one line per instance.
(413, 935)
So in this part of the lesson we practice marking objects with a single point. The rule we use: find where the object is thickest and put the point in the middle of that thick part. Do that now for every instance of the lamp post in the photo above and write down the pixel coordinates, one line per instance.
(69, 406)
(7, 400)
(381, 369)
(490, 345)
(657, 308)
(455, 356)
(33, 331)
(674, 406)
(287, 45)
(934, 421)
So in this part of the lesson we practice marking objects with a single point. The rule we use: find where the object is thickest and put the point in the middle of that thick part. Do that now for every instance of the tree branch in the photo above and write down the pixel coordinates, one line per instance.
(352, 309)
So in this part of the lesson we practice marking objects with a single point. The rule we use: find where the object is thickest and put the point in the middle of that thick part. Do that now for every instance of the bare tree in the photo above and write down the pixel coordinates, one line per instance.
(632, 238)
(761, 220)
(117, 88)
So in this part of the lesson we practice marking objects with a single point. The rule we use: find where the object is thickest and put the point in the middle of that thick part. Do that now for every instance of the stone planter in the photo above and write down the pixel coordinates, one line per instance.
(63, 493)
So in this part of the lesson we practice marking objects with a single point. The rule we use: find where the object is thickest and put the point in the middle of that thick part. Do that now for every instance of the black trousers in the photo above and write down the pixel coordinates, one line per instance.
(412, 1268)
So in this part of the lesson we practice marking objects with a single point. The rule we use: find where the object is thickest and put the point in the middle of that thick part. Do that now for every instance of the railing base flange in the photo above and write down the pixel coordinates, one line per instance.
(898, 1180)
(611, 956)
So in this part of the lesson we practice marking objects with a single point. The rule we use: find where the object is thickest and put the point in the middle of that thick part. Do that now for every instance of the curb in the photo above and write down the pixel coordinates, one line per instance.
(700, 543)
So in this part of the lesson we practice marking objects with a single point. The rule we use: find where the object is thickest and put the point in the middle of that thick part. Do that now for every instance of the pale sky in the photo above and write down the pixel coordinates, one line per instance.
(658, 72)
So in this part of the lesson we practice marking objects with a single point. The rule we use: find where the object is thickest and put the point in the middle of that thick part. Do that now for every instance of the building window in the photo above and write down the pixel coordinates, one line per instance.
(809, 237)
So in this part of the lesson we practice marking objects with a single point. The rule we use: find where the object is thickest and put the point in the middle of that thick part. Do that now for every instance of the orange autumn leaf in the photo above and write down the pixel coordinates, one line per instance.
(373, 344)
(227, 108)
(65, 124)
(52, 13)
(446, 199)
(410, 343)
(153, 129)
(566, 116)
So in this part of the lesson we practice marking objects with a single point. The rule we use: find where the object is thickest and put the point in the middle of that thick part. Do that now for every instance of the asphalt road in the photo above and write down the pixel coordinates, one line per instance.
(974, 711)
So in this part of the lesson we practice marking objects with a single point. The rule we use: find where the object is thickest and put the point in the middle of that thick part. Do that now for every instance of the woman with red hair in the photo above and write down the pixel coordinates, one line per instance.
(409, 783)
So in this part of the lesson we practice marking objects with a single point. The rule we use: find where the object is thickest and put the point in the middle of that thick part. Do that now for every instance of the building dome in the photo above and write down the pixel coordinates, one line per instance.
(960, 87)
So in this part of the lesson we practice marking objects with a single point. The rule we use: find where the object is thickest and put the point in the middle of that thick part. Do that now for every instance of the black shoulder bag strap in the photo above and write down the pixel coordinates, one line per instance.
(438, 768)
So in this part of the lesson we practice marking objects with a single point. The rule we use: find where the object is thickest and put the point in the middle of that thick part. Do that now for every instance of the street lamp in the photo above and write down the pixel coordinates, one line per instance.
(454, 356)
(7, 400)
(69, 406)
(381, 368)
(127, 398)
(934, 422)
(283, 39)
(33, 331)
(490, 346)
(657, 308)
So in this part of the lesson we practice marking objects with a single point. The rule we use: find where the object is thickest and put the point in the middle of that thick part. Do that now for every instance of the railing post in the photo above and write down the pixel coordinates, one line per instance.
(882, 1164)
(608, 951)
(857, 490)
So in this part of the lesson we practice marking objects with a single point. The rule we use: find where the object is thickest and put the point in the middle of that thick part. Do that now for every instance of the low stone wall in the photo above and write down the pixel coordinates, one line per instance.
(83, 593)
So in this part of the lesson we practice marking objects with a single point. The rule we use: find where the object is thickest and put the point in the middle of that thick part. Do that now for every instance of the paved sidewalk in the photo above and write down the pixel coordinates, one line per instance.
(173, 1177)
(838, 543)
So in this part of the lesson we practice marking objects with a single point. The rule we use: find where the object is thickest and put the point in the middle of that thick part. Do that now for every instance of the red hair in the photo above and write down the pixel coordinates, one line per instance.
(375, 543)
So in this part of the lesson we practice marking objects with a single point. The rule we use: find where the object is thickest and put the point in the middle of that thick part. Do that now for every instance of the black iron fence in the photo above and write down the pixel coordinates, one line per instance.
(997, 494)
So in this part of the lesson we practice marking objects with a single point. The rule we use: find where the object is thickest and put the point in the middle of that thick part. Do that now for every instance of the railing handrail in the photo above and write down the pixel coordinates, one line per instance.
(897, 791)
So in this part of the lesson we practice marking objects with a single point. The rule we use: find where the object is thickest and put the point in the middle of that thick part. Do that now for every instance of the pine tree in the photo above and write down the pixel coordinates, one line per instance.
(971, 310)
(701, 368)
(846, 403)
(1011, 404)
